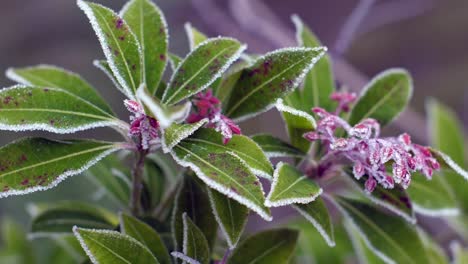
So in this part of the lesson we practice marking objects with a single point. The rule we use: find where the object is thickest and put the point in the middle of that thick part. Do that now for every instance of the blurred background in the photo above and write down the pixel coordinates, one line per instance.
(427, 37)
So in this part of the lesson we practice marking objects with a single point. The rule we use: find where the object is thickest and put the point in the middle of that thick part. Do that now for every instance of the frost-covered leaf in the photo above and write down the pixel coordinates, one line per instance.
(291, 186)
(195, 244)
(318, 83)
(230, 215)
(364, 254)
(175, 61)
(105, 246)
(271, 246)
(54, 77)
(384, 97)
(391, 238)
(241, 146)
(60, 218)
(460, 254)
(269, 78)
(178, 132)
(275, 147)
(36, 164)
(432, 197)
(166, 115)
(184, 258)
(103, 65)
(223, 171)
(224, 89)
(192, 199)
(202, 67)
(195, 37)
(16, 248)
(50, 109)
(317, 214)
(435, 253)
(146, 235)
(147, 21)
(395, 200)
(119, 44)
(112, 175)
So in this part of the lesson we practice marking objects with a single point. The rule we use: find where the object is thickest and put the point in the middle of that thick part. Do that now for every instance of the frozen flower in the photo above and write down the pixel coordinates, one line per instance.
(143, 128)
(208, 106)
(344, 100)
(385, 160)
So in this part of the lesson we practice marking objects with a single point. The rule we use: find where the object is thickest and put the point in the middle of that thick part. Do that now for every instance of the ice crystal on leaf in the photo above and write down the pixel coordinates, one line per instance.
(385, 160)
(208, 106)
(143, 128)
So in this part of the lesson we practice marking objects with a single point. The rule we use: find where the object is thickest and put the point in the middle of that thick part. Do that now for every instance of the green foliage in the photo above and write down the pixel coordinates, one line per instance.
(275, 147)
(195, 245)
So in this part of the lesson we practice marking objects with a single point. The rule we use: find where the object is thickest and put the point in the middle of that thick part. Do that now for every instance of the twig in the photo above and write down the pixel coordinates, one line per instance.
(137, 172)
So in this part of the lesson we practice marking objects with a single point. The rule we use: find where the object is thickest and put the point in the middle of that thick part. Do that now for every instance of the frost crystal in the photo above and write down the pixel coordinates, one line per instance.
(208, 106)
(370, 154)
(143, 128)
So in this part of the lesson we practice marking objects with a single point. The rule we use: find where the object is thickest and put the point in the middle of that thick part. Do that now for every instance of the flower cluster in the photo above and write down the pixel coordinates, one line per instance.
(370, 154)
(208, 106)
(143, 128)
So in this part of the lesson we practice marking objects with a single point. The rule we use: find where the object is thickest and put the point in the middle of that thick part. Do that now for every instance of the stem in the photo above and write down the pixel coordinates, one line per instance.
(226, 255)
(137, 173)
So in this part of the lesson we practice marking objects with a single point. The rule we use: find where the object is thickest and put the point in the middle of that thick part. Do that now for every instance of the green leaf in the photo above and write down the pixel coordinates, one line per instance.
(460, 255)
(104, 246)
(175, 61)
(36, 164)
(146, 235)
(166, 115)
(195, 243)
(290, 186)
(54, 77)
(271, 246)
(222, 170)
(192, 199)
(435, 253)
(384, 97)
(432, 197)
(224, 90)
(105, 68)
(60, 218)
(275, 147)
(364, 254)
(319, 83)
(178, 132)
(390, 237)
(147, 21)
(119, 44)
(16, 248)
(50, 109)
(230, 215)
(396, 200)
(201, 68)
(269, 78)
(195, 37)
(112, 175)
(317, 214)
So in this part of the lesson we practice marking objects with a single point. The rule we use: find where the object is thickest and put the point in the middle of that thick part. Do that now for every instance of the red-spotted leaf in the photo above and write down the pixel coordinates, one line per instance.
(269, 78)
(202, 67)
(178, 132)
(54, 77)
(36, 164)
(119, 44)
(146, 20)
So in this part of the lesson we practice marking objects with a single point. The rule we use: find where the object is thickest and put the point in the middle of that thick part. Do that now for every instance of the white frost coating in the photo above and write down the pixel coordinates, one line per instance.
(284, 108)
(283, 202)
(185, 233)
(452, 164)
(436, 212)
(382, 75)
(296, 81)
(164, 119)
(184, 258)
(232, 244)
(114, 234)
(182, 135)
(189, 32)
(222, 189)
(257, 172)
(105, 46)
(109, 75)
(61, 177)
(317, 225)
(220, 72)
(410, 218)
(299, 28)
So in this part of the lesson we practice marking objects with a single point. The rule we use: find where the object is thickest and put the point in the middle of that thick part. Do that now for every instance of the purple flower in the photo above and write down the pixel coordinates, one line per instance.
(142, 127)
(208, 106)
(369, 153)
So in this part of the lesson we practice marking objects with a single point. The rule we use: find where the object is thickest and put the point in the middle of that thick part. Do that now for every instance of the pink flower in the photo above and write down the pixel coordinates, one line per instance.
(344, 100)
(371, 154)
(142, 127)
(208, 106)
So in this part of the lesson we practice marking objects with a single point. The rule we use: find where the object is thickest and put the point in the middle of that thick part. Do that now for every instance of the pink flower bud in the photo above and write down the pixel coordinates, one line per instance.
(361, 131)
(133, 106)
(388, 182)
(405, 138)
(386, 154)
(340, 144)
(358, 170)
(370, 185)
(311, 136)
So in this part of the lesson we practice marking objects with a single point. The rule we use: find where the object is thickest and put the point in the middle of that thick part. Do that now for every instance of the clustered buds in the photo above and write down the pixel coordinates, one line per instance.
(208, 106)
(344, 100)
(370, 154)
(143, 128)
